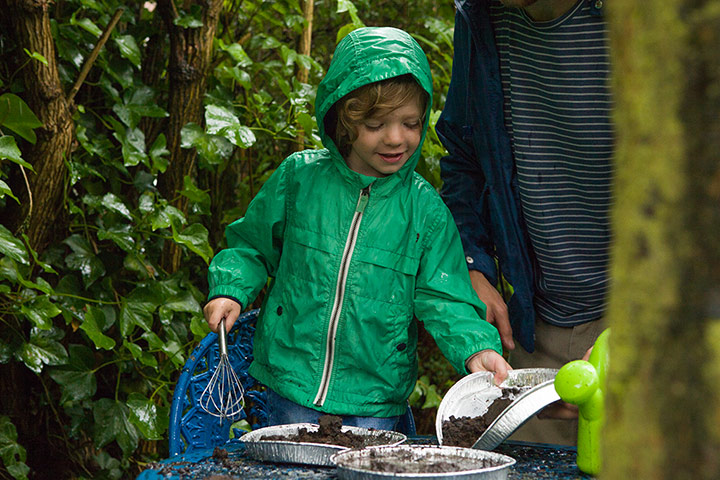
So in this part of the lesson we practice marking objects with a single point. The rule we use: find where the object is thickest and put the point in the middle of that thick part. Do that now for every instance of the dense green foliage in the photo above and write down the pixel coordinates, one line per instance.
(94, 326)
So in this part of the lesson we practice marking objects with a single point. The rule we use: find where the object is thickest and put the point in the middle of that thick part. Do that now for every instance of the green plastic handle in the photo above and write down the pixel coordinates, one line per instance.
(582, 383)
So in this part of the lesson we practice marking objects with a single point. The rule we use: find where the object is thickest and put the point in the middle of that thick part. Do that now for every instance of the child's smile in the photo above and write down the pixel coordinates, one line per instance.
(391, 158)
(386, 142)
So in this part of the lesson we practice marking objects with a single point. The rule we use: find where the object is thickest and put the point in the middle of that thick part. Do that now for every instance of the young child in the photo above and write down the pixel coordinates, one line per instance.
(356, 245)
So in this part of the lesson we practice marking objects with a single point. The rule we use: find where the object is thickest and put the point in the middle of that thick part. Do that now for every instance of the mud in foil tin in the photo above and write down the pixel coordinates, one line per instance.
(421, 462)
(472, 395)
(288, 451)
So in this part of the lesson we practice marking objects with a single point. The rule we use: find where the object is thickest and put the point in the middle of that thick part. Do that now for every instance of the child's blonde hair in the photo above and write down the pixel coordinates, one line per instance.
(371, 100)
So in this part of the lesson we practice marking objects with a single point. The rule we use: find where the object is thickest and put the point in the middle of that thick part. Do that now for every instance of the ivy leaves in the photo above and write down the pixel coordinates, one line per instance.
(94, 315)
(17, 116)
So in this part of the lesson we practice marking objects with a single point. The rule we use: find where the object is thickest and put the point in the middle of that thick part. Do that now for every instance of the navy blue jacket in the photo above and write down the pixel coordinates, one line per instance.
(479, 179)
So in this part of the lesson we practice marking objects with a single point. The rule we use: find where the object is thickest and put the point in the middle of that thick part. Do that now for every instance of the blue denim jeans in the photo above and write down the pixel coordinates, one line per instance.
(282, 411)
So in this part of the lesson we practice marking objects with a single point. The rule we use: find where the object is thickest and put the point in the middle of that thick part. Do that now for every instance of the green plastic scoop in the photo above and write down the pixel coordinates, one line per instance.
(582, 383)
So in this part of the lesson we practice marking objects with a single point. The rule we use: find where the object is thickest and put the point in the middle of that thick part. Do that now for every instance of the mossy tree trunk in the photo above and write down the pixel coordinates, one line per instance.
(41, 193)
(663, 395)
(188, 67)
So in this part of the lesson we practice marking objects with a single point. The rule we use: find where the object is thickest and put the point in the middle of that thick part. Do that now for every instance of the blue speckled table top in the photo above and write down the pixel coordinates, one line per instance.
(534, 461)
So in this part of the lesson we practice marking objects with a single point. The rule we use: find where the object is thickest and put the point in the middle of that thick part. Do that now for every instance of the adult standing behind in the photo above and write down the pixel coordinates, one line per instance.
(528, 175)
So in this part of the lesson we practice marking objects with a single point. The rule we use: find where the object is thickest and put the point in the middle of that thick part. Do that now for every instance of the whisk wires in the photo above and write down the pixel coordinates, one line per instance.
(223, 396)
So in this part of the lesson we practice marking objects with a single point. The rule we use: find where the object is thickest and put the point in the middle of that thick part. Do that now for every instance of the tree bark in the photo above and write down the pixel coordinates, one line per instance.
(153, 66)
(189, 62)
(663, 403)
(304, 49)
(42, 201)
(306, 38)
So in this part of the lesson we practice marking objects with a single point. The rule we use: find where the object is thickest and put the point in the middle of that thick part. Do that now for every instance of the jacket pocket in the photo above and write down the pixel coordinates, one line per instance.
(398, 262)
(385, 276)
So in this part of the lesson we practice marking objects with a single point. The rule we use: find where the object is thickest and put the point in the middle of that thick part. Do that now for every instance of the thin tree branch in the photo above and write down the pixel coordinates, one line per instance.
(96, 51)
(306, 38)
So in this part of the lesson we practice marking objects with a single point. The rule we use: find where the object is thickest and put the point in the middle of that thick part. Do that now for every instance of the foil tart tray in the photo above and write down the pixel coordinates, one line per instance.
(472, 395)
(517, 413)
(417, 462)
(281, 451)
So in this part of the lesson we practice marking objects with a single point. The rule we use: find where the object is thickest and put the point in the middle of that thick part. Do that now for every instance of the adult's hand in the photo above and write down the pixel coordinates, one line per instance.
(219, 308)
(559, 411)
(497, 312)
(563, 410)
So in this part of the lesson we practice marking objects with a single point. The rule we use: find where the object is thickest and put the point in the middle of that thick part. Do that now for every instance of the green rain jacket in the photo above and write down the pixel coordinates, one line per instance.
(352, 260)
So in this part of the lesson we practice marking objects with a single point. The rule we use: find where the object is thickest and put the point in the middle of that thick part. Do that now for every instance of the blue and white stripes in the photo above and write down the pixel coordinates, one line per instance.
(557, 111)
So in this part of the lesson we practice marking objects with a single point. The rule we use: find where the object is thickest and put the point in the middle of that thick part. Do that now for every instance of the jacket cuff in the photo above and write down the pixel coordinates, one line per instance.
(211, 298)
(226, 291)
(477, 259)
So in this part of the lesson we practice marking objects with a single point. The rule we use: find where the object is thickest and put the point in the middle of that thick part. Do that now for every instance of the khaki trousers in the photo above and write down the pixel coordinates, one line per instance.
(554, 347)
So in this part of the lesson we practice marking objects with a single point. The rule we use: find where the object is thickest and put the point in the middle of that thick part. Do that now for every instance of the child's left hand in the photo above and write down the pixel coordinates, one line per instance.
(489, 361)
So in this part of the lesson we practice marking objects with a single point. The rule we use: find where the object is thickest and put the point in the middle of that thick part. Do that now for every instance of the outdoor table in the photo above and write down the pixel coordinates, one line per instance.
(534, 461)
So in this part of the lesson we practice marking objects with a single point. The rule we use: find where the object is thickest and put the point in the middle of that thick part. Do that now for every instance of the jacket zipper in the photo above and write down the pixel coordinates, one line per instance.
(339, 295)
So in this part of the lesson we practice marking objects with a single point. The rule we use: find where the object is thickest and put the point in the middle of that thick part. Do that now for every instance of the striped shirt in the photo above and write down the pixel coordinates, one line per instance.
(557, 112)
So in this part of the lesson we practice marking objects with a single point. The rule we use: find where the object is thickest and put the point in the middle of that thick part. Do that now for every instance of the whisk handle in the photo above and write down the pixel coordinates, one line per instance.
(222, 340)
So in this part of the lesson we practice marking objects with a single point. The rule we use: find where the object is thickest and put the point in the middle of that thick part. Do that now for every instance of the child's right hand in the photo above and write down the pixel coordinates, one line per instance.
(489, 361)
(219, 308)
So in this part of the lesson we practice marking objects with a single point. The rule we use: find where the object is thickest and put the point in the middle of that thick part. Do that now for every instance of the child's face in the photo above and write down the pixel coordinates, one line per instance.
(385, 142)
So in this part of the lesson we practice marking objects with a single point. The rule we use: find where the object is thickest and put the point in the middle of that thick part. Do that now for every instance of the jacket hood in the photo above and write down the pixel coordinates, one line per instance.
(364, 56)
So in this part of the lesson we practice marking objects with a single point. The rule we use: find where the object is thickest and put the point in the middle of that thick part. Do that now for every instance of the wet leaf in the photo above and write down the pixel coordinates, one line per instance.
(5, 190)
(40, 311)
(92, 326)
(159, 153)
(10, 150)
(12, 453)
(113, 202)
(12, 246)
(112, 423)
(145, 358)
(36, 56)
(195, 237)
(221, 121)
(307, 122)
(76, 385)
(138, 307)
(121, 236)
(200, 198)
(84, 260)
(237, 52)
(166, 217)
(183, 301)
(129, 48)
(190, 20)
(152, 420)
(87, 25)
(17, 116)
(42, 350)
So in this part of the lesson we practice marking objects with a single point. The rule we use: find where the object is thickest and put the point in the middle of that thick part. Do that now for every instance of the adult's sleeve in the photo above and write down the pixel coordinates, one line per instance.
(465, 138)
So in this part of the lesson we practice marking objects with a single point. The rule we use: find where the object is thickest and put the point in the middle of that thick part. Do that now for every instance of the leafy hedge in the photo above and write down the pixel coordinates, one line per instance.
(95, 329)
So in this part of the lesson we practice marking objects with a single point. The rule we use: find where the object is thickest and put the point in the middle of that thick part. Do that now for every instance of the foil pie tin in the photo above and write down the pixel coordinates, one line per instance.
(472, 395)
(286, 451)
(361, 464)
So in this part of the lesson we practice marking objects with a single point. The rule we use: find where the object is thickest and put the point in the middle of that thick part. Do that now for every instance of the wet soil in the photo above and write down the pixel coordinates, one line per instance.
(330, 433)
(464, 431)
(219, 453)
(406, 462)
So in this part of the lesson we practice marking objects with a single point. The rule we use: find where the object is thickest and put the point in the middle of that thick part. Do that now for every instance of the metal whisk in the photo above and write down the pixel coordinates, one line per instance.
(223, 396)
